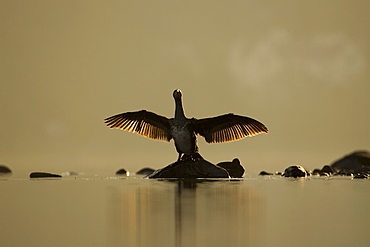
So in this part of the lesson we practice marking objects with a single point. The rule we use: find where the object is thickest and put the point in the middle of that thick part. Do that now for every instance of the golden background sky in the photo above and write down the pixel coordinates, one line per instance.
(301, 68)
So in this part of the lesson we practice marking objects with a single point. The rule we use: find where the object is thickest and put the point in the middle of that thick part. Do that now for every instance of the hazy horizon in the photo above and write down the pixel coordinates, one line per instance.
(301, 68)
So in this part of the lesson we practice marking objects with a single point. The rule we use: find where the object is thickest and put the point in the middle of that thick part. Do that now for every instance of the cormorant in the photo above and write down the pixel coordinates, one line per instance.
(183, 130)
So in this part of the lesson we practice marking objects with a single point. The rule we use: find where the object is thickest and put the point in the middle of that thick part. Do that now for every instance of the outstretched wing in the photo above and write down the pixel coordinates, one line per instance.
(142, 122)
(228, 127)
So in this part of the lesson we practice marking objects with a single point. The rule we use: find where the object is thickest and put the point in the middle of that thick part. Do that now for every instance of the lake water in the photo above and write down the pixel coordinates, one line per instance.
(132, 211)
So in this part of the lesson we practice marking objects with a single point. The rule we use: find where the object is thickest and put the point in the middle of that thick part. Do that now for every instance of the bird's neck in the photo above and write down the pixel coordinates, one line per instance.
(179, 110)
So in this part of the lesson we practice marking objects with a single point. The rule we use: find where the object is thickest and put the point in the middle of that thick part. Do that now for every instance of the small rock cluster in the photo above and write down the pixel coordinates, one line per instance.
(356, 165)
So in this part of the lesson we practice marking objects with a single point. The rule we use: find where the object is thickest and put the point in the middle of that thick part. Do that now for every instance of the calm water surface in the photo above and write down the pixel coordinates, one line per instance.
(113, 211)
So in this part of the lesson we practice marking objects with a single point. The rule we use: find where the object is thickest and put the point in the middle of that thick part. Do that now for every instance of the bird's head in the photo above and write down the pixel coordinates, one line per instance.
(177, 94)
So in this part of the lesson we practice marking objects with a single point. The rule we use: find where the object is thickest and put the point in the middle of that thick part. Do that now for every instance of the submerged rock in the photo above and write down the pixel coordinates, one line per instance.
(4, 170)
(145, 171)
(356, 162)
(190, 169)
(234, 168)
(264, 173)
(295, 172)
(44, 175)
(122, 172)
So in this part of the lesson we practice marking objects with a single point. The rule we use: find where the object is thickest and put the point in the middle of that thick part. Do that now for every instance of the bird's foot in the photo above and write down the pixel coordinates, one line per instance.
(196, 156)
(191, 157)
(186, 157)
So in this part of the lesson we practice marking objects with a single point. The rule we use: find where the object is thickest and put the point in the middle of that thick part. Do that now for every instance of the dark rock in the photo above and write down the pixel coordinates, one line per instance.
(122, 172)
(295, 171)
(4, 170)
(145, 171)
(355, 162)
(263, 173)
(316, 172)
(278, 173)
(190, 169)
(327, 169)
(234, 168)
(343, 174)
(44, 175)
(361, 175)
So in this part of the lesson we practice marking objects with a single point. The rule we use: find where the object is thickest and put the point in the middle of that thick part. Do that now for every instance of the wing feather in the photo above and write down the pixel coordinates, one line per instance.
(228, 127)
(142, 122)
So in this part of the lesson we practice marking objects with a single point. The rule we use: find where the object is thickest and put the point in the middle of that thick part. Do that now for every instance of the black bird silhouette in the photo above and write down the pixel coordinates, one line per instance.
(183, 130)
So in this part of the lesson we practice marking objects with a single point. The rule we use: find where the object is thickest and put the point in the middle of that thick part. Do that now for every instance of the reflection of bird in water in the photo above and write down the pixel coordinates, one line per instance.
(183, 130)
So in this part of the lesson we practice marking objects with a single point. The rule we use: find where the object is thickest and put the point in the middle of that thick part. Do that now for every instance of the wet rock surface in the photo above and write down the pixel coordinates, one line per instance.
(190, 169)
(295, 172)
(327, 169)
(44, 175)
(121, 172)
